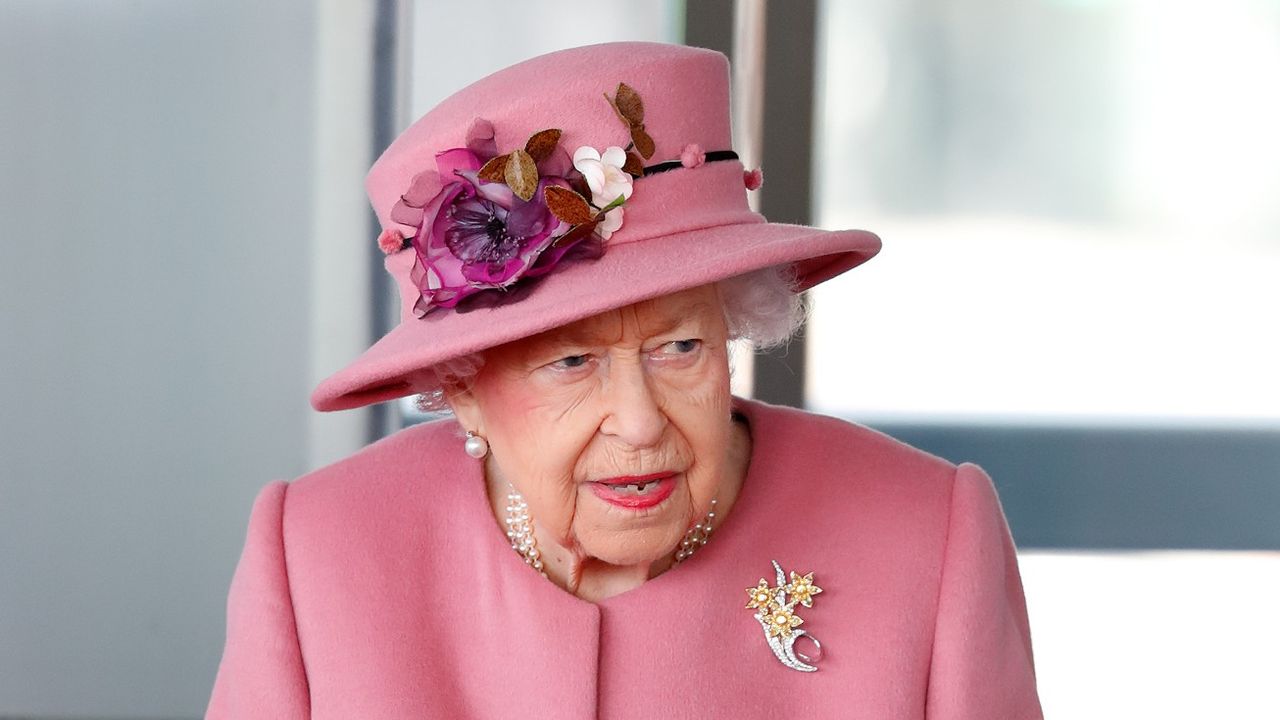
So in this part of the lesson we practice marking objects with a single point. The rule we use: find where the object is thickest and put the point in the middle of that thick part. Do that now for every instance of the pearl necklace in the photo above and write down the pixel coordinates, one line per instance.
(520, 532)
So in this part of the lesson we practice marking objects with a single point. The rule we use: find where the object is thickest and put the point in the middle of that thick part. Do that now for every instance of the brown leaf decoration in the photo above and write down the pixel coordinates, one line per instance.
(568, 205)
(494, 170)
(634, 166)
(627, 102)
(542, 143)
(643, 142)
(521, 174)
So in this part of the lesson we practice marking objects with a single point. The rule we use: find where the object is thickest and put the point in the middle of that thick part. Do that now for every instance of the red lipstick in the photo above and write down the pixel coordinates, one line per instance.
(646, 491)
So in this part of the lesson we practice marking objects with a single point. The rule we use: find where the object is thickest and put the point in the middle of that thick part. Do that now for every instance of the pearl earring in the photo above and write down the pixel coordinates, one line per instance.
(476, 446)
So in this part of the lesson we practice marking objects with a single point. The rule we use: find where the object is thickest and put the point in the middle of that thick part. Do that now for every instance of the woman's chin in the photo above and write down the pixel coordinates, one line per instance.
(614, 553)
(620, 542)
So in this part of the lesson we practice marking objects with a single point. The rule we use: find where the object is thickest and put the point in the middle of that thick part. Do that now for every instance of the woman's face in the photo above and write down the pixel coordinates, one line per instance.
(639, 392)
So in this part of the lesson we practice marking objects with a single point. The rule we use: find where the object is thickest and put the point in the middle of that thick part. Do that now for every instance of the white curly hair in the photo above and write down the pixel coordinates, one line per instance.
(760, 307)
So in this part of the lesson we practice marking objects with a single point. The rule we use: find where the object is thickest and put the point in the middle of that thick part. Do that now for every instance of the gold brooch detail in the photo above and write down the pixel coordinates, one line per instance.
(776, 615)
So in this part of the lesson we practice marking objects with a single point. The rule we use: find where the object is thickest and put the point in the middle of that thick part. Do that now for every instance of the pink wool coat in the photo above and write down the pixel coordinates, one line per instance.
(382, 587)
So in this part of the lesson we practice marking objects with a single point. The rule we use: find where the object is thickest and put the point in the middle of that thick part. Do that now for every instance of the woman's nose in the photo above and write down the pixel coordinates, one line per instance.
(632, 414)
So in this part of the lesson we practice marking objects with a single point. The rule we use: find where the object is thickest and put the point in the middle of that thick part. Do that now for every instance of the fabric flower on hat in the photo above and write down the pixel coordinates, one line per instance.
(485, 222)
(475, 236)
(608, 181)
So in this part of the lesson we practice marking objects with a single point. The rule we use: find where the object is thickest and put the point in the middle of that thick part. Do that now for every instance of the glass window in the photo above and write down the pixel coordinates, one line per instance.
(1078, 201)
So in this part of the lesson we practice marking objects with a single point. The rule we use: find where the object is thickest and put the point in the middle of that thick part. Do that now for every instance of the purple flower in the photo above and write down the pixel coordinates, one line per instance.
(476, 237)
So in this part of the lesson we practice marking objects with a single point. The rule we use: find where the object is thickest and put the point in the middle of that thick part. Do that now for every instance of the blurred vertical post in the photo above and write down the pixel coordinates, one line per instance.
(748, 84)
(785, 142)
(388, 95)
(748, 59)
(340, 325)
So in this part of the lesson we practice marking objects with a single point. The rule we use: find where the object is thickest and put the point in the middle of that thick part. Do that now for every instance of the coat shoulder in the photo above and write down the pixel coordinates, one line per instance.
(849, 481)
(418, 469)
(843, 448)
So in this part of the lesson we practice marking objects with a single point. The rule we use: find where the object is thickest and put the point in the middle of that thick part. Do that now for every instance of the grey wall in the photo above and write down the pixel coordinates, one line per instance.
(155, 210)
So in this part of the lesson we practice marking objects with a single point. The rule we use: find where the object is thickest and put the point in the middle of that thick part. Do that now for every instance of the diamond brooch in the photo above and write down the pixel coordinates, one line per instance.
(775, 611)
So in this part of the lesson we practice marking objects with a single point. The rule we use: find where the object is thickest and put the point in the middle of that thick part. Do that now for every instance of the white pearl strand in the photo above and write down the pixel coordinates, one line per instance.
(520, 532)
(697, 536)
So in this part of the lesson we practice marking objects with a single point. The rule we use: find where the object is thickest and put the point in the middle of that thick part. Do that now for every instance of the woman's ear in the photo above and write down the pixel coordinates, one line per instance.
(465, 408)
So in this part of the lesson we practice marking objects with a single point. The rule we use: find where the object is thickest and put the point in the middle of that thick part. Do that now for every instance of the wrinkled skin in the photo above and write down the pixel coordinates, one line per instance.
(632, 391)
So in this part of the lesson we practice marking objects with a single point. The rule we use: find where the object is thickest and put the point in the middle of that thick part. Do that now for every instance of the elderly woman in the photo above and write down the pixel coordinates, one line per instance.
(601, 529)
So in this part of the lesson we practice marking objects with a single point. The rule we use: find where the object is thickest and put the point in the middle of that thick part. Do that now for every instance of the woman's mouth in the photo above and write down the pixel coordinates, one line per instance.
(635, 492)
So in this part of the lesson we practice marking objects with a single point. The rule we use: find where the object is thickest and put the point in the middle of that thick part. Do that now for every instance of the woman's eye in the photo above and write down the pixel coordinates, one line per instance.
(571, 362)
(683, 347)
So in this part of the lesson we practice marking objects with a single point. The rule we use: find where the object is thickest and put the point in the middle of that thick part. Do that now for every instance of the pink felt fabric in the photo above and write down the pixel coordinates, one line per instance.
(382, 587)
(682, 228)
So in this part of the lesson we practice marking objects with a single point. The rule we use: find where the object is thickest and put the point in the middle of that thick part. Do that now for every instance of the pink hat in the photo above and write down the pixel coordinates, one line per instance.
(567, 185)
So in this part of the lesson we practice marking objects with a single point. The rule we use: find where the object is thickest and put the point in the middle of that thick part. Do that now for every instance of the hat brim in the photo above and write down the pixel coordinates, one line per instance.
(396, 365)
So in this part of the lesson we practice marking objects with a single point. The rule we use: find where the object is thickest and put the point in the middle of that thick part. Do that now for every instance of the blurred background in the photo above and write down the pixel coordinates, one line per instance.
(1080, 205)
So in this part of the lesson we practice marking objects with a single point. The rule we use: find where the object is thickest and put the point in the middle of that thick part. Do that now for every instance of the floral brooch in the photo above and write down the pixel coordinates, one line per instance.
(776, 615)
(486, 225)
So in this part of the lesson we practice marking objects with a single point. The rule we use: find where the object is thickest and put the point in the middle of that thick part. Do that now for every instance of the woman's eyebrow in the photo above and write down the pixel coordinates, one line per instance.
(592, 335)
